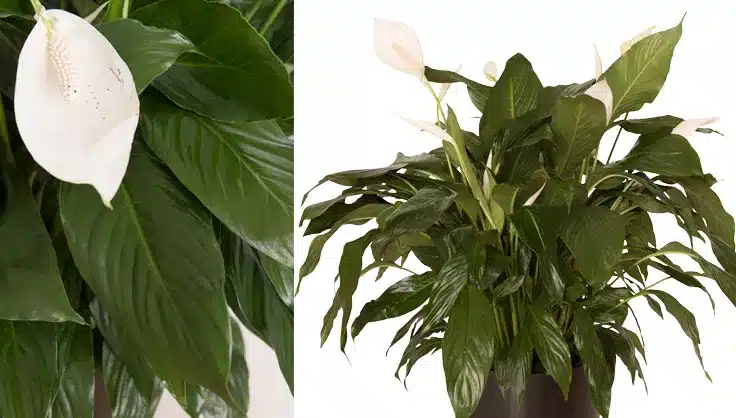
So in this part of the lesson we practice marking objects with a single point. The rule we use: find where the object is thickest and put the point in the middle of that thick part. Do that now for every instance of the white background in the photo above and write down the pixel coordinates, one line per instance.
(269, 395)
(347, 105)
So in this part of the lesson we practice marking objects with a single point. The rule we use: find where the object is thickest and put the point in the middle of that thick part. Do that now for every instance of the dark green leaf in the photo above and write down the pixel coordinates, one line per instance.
(651, 125)
(13, 33)
(478, 92)
(595, 236)
(508, 286)
(31, 288)
(450, 282)
(515, 93)
(401, 298)
(670, 155)
(468, 348)
(515, 365)
(75, 397)
(242, 172)
(600, 378)
(282, 278)
(550, 346)
(638, 75)
(624, 349)
(163, 287)
(125, 399)
(578, 124)
(148, 51)
(243, 79)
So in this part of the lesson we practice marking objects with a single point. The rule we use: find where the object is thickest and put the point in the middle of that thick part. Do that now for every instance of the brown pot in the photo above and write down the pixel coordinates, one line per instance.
(542, 399)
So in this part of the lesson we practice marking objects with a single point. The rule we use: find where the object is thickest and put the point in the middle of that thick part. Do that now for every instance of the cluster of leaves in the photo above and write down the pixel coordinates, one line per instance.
(151, 295)
(537, 269)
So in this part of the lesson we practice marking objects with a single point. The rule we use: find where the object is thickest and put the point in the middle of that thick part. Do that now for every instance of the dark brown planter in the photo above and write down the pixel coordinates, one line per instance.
(542, 399)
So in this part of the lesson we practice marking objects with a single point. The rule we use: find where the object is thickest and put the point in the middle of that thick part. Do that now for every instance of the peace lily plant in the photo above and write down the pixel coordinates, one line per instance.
(146, 175)
(535, 243)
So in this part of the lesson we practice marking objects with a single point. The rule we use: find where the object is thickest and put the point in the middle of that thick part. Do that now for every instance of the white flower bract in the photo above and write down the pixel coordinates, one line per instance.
(602, 92)
(76, 104)
(431, 128)
(490, 70)
(688, 127)
(397, 45)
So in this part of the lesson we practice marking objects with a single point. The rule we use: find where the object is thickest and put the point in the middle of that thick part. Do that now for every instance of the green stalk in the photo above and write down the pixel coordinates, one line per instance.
(620, 128)
(117, 9)
(272, 17)
(37, 6)
(5, 134)
(620, 198)
(253, 9)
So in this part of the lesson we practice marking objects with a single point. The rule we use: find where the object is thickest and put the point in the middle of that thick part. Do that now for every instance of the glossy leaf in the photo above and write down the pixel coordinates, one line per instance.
(578, 124)
(399, 299)
(595, 235)
(166, 294)
(125, 399)
(478, 92)
(624, 349)
(550, 346)
(148, 51)
(468, 348)
(75, 397)
(596, 369)
(450, 282)
(638, 75)
(516, 92)
(242, 81)
(242, 172)
(508, 286)
(670, 155)
(30, 283)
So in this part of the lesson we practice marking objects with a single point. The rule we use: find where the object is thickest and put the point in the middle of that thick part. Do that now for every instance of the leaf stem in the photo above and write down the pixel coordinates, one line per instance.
(272, 17)
(620, 128)
(4, 133)
(37, 6)
(253, 9)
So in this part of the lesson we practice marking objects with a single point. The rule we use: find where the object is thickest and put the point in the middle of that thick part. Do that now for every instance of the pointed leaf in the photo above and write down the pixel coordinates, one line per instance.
(125, 399)
(450, 282)
(596, 369)
(550, 346)
(670, 155)
(468, 348)
(578, 124)
(76, 392)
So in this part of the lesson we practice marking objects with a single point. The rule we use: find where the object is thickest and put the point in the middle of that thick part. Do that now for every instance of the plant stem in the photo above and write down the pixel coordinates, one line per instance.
(620, 198)
(272, 17)
(117, 9)
(37, 6)
(253, 9)
(620, 128)
(5, 135)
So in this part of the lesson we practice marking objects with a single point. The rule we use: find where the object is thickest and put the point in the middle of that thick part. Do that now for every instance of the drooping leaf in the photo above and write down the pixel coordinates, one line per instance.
(508, 286)
(638, 75)
(148, 51)
(165, 293)
(670, 155)
(578, 124)
(514, 366)
(242, 81)
(468, 348)
(550, 345)
(596, 368)
(624, 349)
(31, 288)
(595, 235)
(242, 172)
(450, 282)
(75, 397)
(478, 92)
(29, 367)
(282, 278)
(399, 299)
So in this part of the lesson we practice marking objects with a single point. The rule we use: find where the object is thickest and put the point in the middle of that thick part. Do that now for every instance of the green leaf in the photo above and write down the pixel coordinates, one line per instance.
(638, 75)
(515, 365)
(578, 124)
(242, 81)
(505, 195)
(595, 236)
(255, 301)
(508, 286)
(651, 125)
(468, 348)
(478, 92)
(624, 348)
(686, 320)
(13, 33)
(535, 231)
(399, 299)
(148, 51)
(670, 155)
(599, 376)
(282, 278)
(242, 172)
(684, 278)
(450, 282)
(30, 283)
(550, 346)
(640, 231)
(29, 362)
(76, 391)
(125, 399)
(515, 93)
(180, 322)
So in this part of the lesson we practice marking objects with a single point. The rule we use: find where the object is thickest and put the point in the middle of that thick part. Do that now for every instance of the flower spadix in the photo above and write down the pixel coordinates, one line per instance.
(76, 105)
(397, 45)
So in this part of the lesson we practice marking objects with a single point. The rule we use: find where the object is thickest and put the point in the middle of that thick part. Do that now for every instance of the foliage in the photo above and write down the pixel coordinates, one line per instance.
(152, 293)
(539, 268)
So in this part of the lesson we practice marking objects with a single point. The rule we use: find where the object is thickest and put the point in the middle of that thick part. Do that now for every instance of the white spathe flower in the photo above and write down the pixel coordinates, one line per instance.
(397, 45)
(490, 70)
(688, 127)
(487, 176)
(431, 128)
(602, 92)
(445, 87)
(534, 197)
(598, 63)
(626, 45)
(76, 105)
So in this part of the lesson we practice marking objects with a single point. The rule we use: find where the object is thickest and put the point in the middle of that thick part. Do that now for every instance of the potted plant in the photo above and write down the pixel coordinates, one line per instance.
(535, 242)
(146, 167)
